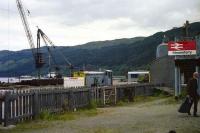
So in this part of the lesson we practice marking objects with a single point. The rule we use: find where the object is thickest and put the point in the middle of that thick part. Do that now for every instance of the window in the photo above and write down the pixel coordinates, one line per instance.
(134, 75)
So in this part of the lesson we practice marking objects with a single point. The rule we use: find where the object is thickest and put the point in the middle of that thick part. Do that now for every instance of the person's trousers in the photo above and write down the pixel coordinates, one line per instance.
(195, 102)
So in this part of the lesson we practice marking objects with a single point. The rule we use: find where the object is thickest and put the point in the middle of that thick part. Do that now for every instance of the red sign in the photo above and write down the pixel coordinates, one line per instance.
(182, 48)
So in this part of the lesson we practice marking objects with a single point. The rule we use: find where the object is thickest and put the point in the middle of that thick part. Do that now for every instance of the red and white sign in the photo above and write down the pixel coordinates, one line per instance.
(182, 48)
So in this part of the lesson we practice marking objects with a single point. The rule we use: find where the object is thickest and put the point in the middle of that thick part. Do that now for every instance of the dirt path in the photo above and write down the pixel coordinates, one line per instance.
(151, 117)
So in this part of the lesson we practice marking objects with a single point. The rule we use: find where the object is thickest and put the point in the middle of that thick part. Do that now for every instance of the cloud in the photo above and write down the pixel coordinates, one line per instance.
(69, 22)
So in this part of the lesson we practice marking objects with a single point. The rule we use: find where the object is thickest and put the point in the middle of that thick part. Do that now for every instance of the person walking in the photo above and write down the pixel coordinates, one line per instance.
(192, 87)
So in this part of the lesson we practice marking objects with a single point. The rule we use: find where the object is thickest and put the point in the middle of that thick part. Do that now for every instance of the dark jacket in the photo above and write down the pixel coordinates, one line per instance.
(192, 88)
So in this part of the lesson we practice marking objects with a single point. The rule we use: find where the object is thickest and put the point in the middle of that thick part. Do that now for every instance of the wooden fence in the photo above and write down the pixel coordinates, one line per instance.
(132, 90)
(19, 105)
(112, 94)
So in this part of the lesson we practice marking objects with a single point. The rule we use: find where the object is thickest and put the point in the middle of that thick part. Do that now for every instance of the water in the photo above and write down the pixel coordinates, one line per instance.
(15, 79)
(9, 79)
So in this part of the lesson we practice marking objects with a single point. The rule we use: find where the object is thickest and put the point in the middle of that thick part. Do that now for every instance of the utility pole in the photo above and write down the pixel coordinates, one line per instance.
(186, 29)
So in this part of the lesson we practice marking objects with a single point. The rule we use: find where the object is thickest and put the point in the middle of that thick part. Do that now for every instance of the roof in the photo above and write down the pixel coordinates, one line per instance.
(93, 72)
(138, 72)
(108, 70)
(96, 72)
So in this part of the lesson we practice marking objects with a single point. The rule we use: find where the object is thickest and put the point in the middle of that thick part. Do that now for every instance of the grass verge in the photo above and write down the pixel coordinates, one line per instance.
(47, 119)
(158, 94)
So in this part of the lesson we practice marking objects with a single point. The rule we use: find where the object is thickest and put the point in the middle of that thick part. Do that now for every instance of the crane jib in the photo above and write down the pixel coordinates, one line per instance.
(38, 56)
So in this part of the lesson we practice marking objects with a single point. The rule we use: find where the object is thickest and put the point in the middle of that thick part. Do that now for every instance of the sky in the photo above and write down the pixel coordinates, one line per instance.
(75, 22)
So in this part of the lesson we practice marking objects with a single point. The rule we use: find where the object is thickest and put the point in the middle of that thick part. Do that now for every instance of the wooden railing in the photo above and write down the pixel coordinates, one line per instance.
(20, 105)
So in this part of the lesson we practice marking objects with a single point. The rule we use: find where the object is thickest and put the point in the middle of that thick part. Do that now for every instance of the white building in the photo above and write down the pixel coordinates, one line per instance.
(89, 79)
(135, 76)
(95, 78)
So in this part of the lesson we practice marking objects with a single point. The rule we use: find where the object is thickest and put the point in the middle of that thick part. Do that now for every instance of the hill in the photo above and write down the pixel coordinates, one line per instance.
(120, 55)
(107, 43)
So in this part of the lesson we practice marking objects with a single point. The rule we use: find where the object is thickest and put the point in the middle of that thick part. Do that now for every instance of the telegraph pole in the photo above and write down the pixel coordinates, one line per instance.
(186, 29)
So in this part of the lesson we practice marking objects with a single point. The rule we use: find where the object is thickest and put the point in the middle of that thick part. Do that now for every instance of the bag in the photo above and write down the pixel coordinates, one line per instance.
(185, 106)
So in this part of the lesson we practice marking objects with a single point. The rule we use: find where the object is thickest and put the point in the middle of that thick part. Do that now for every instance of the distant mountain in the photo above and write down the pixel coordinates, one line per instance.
(107, 43)
(120, 55)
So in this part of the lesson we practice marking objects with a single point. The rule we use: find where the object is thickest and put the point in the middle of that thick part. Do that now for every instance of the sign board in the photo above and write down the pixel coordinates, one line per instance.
(182, 48)
(79, 74)
(74, 82)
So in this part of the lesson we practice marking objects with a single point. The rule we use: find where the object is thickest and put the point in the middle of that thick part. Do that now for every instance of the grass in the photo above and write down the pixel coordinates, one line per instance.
(46, 119)
(27, 126)
(92, 105)
(104, 130)
(88, 111)
(84, 112)
(46, 116)
(158, 94)
(171, 100)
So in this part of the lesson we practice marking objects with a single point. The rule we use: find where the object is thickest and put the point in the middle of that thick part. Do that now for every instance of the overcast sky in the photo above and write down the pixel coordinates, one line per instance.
(72, 22)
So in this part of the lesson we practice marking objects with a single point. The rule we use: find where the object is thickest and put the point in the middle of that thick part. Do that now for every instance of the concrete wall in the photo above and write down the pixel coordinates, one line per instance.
(162, 71)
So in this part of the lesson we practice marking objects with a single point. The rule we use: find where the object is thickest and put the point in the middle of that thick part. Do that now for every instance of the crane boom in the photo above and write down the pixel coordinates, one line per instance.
(47, 40)
(26, 26)
(45, 37)
(39, 62)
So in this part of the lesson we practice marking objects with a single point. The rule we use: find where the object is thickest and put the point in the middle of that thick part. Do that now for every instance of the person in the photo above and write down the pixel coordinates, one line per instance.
(192, 87)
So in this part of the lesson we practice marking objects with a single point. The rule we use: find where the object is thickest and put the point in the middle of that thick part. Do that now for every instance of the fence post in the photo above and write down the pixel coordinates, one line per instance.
(145, 91)
(121, 94)
(90, 96)
(35, 104)
(6, 109)
(1, 109)
(71, 101)
(134, 94)
(103, 97)
(115, 94)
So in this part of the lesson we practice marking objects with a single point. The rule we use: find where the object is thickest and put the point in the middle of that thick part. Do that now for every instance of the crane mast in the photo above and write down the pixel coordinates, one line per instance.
(38, 56)
(48, 41)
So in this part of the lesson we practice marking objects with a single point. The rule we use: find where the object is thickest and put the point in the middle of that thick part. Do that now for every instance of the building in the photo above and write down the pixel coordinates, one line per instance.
(175, 62)
(89, 79)
(95, 78)
(138, 76)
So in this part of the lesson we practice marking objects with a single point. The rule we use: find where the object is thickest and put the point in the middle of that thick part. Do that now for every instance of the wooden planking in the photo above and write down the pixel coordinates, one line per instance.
(20, 105)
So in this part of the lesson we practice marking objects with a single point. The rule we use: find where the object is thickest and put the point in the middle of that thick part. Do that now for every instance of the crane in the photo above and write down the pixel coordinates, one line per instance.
(47, 41)
(37, 54)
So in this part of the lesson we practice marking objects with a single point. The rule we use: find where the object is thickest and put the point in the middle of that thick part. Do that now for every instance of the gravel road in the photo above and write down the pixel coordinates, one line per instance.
(150, 117)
